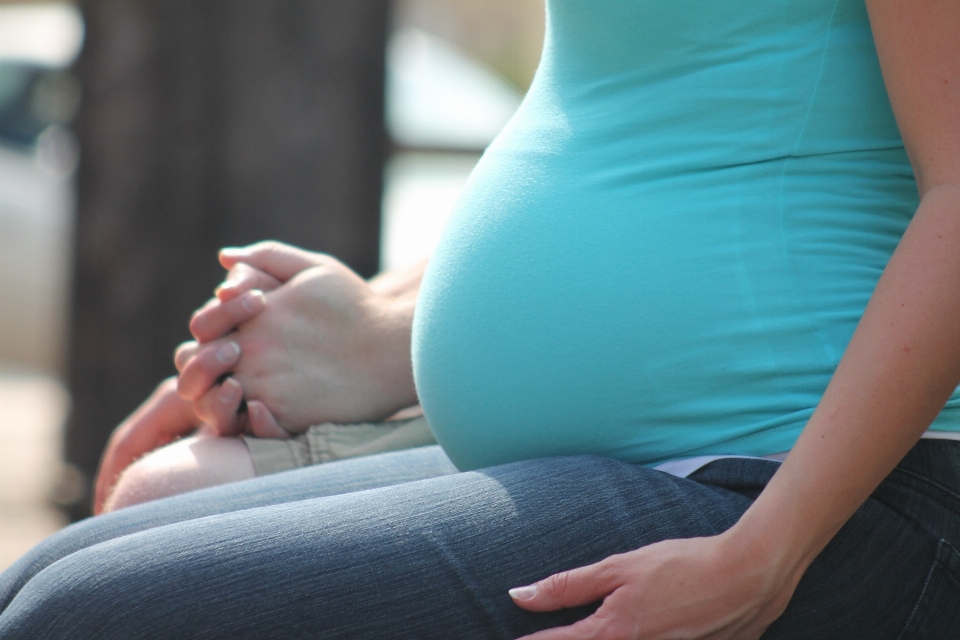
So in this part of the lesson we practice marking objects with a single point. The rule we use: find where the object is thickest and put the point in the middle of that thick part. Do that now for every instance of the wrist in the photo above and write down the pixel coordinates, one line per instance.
(765, 548)
(397, 366)
(399, 283)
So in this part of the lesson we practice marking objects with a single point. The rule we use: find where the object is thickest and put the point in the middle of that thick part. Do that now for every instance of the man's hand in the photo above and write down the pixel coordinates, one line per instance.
(324, 346)
(220, 403)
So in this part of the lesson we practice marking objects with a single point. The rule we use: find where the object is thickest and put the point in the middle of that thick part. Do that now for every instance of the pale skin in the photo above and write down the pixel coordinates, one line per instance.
(319, 312)
(328, 345)
(897, 372)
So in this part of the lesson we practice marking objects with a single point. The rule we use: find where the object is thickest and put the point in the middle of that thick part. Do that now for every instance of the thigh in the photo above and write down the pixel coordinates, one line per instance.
(893, 571)
(434, 559)
(430, 559)
(322, 480)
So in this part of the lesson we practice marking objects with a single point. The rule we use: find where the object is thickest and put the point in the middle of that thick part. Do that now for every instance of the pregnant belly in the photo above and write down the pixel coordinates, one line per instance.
(642, 323)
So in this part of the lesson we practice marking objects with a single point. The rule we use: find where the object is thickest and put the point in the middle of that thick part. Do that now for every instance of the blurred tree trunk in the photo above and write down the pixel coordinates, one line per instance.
(208, 123)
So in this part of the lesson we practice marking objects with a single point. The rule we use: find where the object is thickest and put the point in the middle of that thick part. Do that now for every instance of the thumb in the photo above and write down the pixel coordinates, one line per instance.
(569, 588)
(279, 260)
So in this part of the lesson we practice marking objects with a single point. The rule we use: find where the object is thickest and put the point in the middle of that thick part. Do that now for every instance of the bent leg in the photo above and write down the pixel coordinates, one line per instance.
(431, 559)
(185, 465)
(434, 559)
(205, 461)
(356, 474)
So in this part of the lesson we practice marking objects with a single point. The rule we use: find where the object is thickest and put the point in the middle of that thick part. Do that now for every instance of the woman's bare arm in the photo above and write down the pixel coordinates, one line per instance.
(898, 371)
(904, 359)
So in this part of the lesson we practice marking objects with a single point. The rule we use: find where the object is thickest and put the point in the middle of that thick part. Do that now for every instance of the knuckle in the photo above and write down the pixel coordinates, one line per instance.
(267, 282)
(186, 389)
(557, 585)
(189, 344)
(269, 246)
(608, 568)
(202, 407)
(589, 629)
(198, 374)
(179, 362)
(235, 309)
(605, 629)
(207, 363)
(238, 271)
(198, 324)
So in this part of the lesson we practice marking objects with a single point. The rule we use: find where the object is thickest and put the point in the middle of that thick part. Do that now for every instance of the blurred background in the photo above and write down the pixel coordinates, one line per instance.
(139, 136)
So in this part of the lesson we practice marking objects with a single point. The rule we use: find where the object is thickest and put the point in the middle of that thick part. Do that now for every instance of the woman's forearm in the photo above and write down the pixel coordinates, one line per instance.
(899, 369)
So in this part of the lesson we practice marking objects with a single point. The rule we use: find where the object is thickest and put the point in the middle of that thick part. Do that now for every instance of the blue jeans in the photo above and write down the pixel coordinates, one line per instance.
(434, 558)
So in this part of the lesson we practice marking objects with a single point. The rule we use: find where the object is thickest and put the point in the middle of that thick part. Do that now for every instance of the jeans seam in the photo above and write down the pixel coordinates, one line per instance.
(939, 562)
(948, 557)
(923, 593)
(927, 482)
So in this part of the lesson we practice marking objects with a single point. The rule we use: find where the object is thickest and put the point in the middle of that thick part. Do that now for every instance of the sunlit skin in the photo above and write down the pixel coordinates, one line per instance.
(316, 303)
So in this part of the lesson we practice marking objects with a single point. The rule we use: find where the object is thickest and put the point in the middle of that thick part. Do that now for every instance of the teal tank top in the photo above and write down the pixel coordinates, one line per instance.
(667, 249)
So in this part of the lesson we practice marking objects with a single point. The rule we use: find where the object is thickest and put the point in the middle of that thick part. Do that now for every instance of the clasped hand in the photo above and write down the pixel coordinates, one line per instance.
(323, 346)
(297, 336)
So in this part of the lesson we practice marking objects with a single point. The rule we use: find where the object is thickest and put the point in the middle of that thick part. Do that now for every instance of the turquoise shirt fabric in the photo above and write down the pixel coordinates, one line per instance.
(666, 251)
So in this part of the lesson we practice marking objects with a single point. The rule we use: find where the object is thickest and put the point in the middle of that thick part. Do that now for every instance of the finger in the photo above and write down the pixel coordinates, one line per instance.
(205, 431)
(163, 417)
(217, 320)
(279, 260)
(242, 278)
(569, 588)
(203, 370)
(262, 422)
(212, 302)
(219, 406)
(184, 352)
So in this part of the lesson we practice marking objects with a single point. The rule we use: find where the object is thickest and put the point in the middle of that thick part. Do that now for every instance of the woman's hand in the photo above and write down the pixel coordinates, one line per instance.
(714, 588)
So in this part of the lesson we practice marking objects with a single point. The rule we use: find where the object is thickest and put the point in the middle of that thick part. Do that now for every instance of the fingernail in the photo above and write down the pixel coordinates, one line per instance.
(228, 391)
(523, 593)
(231, 251)
(228, 353)
(254, 301)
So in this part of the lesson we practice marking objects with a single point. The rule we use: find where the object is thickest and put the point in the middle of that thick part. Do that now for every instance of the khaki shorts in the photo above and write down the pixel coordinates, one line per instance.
(329, 441)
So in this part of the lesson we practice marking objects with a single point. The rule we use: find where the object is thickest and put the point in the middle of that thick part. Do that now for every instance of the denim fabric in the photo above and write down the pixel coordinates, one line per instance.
(312, 482)
(434, 558)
